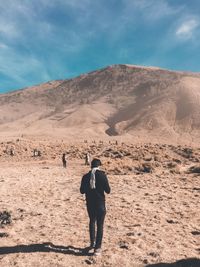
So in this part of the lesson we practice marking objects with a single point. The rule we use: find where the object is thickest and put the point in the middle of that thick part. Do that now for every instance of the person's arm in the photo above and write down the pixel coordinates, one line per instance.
(106, 185)
(83, 186)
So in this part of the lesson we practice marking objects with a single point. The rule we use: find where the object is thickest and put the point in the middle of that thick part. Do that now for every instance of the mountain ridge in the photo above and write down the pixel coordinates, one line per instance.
(116, 101)
(103, 68)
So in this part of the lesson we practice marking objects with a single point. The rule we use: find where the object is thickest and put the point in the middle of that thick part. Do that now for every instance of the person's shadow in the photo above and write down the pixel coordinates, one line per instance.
(192, 262)
(46, 247)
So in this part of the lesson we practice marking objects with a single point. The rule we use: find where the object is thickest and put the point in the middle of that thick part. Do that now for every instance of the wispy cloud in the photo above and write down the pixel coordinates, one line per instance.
(31, 46)
(44, 39)
(3, 46)
(153, 10)
(7, 29)
(71, 3)
(22, 70)
(187, 29)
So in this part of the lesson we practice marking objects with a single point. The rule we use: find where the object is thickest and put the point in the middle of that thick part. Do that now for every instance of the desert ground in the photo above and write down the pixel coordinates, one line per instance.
(152, 212)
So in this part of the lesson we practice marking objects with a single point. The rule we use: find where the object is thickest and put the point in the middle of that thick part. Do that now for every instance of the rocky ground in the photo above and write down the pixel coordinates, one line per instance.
(152, 212)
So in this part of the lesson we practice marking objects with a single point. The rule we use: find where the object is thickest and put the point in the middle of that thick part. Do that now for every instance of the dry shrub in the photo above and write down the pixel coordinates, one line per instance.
(5, 218)
(145, 168)
(194, 169)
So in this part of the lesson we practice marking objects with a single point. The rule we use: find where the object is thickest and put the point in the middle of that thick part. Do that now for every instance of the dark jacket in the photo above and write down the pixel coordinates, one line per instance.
(95, 196)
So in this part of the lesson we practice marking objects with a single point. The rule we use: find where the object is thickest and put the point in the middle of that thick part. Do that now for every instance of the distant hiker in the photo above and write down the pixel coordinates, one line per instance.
(35, 153)
(12, 152)
(64, 161)
(87, 159)
(93, 185)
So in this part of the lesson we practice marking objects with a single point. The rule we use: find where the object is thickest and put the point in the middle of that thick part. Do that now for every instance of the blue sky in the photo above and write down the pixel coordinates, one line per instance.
(42, 40)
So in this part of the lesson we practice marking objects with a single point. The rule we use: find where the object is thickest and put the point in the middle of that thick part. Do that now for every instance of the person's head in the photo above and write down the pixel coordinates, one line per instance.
(95, 163)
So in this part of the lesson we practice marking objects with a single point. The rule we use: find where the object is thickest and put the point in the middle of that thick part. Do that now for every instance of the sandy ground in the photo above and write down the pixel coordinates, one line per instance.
(150, 218)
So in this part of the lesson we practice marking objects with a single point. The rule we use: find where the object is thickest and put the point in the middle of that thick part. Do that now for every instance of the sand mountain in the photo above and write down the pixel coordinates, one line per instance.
(120, 100)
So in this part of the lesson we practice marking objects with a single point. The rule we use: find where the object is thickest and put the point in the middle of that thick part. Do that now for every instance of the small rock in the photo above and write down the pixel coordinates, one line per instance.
(130, 234)
(90, 261)
(171, 221)
(123, 245)
(4, 235)
(145, 261)
(5, 217)
(195, 232)
(154, 254)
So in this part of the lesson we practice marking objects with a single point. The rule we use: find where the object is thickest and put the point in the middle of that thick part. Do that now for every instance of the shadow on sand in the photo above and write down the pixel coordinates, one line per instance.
(193, 262)
(45, 247)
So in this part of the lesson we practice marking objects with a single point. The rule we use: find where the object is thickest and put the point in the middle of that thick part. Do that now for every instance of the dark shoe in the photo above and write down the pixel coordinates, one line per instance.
(92, 246)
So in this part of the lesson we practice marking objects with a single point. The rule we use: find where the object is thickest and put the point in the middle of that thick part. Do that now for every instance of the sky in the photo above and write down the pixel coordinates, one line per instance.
(43, 40)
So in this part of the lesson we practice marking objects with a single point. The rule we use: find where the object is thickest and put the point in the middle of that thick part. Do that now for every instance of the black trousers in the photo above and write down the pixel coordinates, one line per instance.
(64, 163)
(97, 215)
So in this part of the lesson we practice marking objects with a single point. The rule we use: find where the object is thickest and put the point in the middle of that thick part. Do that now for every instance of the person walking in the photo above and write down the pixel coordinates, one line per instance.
(87, 159)
(93, 185)
(64, 161)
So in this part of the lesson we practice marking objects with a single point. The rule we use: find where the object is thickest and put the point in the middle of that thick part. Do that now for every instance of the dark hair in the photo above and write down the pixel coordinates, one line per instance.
(95, 163)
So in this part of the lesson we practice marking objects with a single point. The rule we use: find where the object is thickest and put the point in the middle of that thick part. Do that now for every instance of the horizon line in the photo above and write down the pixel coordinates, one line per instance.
(100, 69)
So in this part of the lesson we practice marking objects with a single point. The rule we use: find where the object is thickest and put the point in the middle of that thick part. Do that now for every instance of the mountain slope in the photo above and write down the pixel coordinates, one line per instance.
(120, 100)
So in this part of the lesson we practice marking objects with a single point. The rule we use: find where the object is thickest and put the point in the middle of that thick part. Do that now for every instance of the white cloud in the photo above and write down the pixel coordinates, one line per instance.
(14, 18)
(152, 10)
(187, 28)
